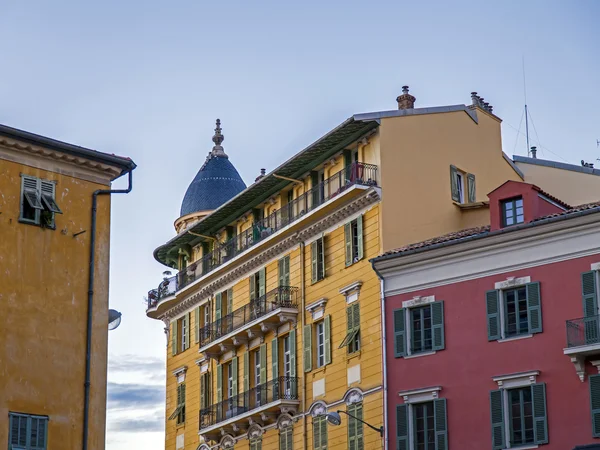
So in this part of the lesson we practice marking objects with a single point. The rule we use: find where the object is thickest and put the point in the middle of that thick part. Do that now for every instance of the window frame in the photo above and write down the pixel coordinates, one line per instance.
(521, 403)
(414, 409)
(460, 186)
(41, 198)
(12, 415)
(407, 335)
(352, 340)
(320, 432)
(406, 423)
(320, 343)
(183, 333)
(318, 271)
(505, 292)
(515, 216)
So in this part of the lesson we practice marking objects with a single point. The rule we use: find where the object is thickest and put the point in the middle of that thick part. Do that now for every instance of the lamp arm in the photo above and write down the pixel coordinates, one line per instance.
(379, 430)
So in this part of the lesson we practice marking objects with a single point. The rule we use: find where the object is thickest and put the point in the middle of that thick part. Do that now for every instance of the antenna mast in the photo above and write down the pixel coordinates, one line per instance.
(526, 113)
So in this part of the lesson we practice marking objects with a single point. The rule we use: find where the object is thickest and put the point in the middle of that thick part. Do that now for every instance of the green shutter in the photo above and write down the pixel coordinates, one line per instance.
(281, 268)
(356, 316)
(188, 321)
(229, 301)
(590, 306)
(219, 383)
(471, 188)
(218, 305)
(246, 372)
(307, 343)
(497, 417)
(348, 243)
(286, 261)
(453, 184)
(540, 419)
(399, 333)
(285, 438)
(314, 258)
(263, 363)
(252, 287)
(327, 332)
(534, 307)
(359, 236)
(437, 325)
(493, 315)
(274, 360)
(316, 433)
(293, 361)
(351, 427)
(234, 375)
(203, 399)
(441, 424)
(323, 433)
(197, 325)
(595, 404)
(402, 433)
(355, 428)
(349, 319)
(262, 282)
(323, 256)
(174, 337)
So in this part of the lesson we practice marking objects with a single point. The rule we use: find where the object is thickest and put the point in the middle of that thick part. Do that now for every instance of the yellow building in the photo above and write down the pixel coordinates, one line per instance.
(46, 194)
(274, 318)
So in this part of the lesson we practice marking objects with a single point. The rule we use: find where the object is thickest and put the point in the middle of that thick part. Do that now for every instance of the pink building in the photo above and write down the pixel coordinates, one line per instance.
(492, 336)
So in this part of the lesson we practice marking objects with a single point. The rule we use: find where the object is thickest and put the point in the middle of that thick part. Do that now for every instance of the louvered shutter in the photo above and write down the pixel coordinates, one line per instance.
(293, 362)
(218, 305)
(441, 424)
(356, 316)
(262, 281)
(534, 307)
(229, 301)
(590, 306)
(48, 196)
(471, 188)
(187, 318)
(307, 344)
(351, 427)
(252, 287)
(595, 403)
(497, 419)
(437, 325)
(246, 372)
(399, 333)
(39, 435)
(454, 184)
(493, 315)
(348, 243)
(174, 337)
(286, 261)
(274, 359)
(402, 432)
(327, 332)
(197, 325)
(219, 384)
(323, 268)
(203, 399)
(540, 425)
(323, 433)
(280, 269)
(263, 363)
(234, 376)
(316, 433)
(30, 194)
(359, 236)
(314, 258)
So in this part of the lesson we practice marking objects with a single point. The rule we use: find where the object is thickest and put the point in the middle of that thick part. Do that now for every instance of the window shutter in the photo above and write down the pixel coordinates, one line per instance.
(493, 316)
(274, 360)
(540, 426)
(595, 403)
(174, 337)
(293, 353)
(534, 307)
(234, 375)
(219, 383)
(48, 196)
(327, 332)
(399, 333)
(229, 301)
(262, 282)
(356, 316)
(316, 433)
(402, 427)
(590, 306)
(441, 424)
(280, 268)
(471, 188)
(323, 256)
(349, 319)
(359, 236)
(252, 287)
(453, 184)
(218, 305)
(497, 417)
(348, 241)
(203, 398)
(437, 325)
(314, 257)
(307, 343)
(286, 262)
(351, 427)
(263, 363)
(323, 433)
(197, 325)
(187, 318)
(246, 372)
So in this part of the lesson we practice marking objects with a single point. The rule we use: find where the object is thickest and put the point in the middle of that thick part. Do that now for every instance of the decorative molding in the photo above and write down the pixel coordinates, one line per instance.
(354, 395)
(228, 441)
(167, 330)
(520, 379)
(579, 363)
(512, 282)
(351, 288)
(180, 370)
(318, 409)
(255, 431)
(317, 308)
(418, 301)
(420, 395)
(595, 266)
(284, 421)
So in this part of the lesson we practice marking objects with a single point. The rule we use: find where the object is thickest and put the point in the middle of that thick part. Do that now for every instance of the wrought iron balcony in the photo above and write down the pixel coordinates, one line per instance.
(280, 304)
(355, 174)
(583, 332)
(275, 395)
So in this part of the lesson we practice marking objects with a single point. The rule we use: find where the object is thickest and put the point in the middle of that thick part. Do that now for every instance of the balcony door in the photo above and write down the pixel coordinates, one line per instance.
(287, 366)
(257, 376)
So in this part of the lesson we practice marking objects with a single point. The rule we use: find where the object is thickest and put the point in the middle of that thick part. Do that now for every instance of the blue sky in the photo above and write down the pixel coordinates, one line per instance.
(147, 79)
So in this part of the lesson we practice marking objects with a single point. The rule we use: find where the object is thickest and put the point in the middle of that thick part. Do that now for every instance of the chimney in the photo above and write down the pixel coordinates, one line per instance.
(533, 152)
(405, 101)
(263, 172)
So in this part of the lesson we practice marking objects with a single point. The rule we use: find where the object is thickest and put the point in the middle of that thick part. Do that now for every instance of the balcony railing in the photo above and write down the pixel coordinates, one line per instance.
(584, 331)
(281, 388)
(281, 297)
(355, 174)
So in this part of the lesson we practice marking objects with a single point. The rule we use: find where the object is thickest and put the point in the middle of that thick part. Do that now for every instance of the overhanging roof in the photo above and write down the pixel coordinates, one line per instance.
(318, 152)
(555, 165)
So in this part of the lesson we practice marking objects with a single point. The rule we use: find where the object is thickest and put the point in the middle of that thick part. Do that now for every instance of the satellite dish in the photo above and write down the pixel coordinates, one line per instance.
(334, 418)
(114, 319)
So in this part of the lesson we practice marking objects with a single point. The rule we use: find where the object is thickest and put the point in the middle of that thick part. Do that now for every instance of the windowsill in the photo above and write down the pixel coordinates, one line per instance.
(44, 227)
(516, 338)
(473, 205)
(318, 370)
(522, 447)
(316, 281)
(180, 425)
(418, 355)
(350, 356)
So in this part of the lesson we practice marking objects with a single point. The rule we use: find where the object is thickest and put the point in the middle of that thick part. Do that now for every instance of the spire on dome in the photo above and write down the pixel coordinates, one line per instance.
(218, 140)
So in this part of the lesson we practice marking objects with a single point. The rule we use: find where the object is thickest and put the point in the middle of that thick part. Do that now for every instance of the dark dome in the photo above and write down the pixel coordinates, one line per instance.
(216, 182)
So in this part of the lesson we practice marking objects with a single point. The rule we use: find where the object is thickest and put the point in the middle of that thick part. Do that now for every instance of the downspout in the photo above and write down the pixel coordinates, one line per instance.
(303, 306)
(384, 363)
(88, 351)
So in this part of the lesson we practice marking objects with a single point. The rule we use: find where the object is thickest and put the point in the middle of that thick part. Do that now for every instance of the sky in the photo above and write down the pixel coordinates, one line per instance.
(147, 79)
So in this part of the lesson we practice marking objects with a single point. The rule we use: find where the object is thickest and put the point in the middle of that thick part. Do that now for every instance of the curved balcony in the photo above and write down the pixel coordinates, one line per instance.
(251, 320)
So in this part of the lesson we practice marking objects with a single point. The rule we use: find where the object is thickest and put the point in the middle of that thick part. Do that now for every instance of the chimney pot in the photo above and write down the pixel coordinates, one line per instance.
(263, 172)
(533, 152)
(405, 101)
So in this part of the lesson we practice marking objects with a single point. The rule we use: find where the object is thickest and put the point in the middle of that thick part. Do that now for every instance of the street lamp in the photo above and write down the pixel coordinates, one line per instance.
(334, 419)
(114, 319)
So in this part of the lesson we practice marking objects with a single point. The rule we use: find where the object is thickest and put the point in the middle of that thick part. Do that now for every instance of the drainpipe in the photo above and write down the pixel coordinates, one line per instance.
(86, 402)
(384, 363)
(303, 304)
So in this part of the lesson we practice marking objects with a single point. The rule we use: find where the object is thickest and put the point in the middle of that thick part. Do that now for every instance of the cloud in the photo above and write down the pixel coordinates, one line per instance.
(138, 425)
(135, 363)
(135, 396)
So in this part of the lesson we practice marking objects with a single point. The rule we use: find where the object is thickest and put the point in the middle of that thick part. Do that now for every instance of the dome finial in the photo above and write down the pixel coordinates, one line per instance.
(218, 140)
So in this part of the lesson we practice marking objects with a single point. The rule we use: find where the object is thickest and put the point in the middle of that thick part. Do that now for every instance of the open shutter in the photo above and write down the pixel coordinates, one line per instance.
(219, 383)
(274, 360)
(437, 325)
(399, 333)
(454, 184)
(188, 321)
(359, 236)
(203, 398)
(590, 306)
(402, 427)
(281, 268)
(48, 196)
(471, 188)
(229, 301)
(197, 325)
(174, 337)
(348, 243)
(493, 315)
(534, 307)
(497, 417)
(218, 305)
(286, 262)
(234, 375)
(595, 404)
(252, 287)
(540, 419)
(246, 372)
(307, 344)
(262, 282)
(441, 424)
(352, 427)
(327, 332)
(314, 258)
(322, 261)
(263, 363)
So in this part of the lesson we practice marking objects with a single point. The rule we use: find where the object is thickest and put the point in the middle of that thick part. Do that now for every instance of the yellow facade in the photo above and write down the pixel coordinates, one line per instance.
(44, 291)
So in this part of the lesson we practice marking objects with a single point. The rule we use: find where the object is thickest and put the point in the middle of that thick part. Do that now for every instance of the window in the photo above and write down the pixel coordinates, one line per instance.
(184, 333)
(286, 438)
(352, 339)
(317, 255)
(256, 444)
(423, 418)
(179, 412)
(422, 425)
(38, 204)
(353, 235)
(595, 404)
(180, 334)
(519, 416)
(320, 333)
(229, 380)
(320, 433)
(284, 271)
(457, 186)
(514, 312)
(355, 427)
(27, 432)
(205, 394)
(322, 340)
(512, 211)
(257, 284)
(419, 328)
